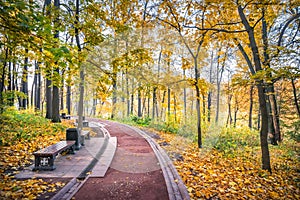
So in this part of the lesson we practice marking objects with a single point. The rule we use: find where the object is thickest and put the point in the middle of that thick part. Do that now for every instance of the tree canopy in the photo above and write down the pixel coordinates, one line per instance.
(183, 65)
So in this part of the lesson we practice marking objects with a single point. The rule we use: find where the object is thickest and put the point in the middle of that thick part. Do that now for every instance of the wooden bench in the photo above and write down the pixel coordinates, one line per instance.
(65, 116)
(44, 158)
(83, 135)
(84, 122)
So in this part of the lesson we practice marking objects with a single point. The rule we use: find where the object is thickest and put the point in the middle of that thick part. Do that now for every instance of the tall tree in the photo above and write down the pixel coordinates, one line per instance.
(24, 82)
(81, 67)
(55, 89)
(260, 86)
(2, 81)
(179, 24)
(48, 71)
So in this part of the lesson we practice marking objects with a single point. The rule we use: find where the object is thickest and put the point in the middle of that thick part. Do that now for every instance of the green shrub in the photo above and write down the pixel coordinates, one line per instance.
(165, 127)
(141, 121)
(188, 131)
(16, 125)
(232, 139)
(294, 131)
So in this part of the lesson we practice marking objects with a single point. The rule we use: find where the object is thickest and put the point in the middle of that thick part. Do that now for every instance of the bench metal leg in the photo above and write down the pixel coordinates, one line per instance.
(44, 163)
(82, 139)
(72, 149)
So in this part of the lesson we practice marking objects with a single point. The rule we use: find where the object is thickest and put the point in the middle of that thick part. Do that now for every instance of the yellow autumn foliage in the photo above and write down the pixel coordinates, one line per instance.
(211, 174)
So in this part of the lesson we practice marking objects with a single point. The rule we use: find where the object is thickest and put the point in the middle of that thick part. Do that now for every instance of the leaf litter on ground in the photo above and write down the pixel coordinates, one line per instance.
(21, 134)
(212, 174)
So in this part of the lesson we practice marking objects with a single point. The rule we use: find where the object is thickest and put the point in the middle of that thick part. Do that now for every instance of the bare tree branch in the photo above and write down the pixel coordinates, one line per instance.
(286, 26)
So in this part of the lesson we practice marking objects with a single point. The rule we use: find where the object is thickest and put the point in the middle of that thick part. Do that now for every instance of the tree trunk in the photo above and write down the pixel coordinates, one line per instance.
(229, 117)
(48, 96)
(154, 102)
(162, 107)
(148, 101)
(81, 84)
(184, 100)
(219, 80)
(10, 83)
(274, 118)
(197, 76)
(127, 94)
(24, 81)
(123, 94)
(250, 107)
(34, 85)
(271, 129)
(203, 105)
(2, 80)
(9, 76)
(218, 89)
(139, 101)
(55, 89)
(295, 97)
(55, 104)
(143, 106)
(175, 111)
(68, 100)
(210, 91)
(62, 107)
(236, 109)
(132, 96)
(17, 85)
(258, 119)
(275, 114)
(209, 105)
(198, 117)
(94, 106)
(48, 75)
(264, 129)
(169, 104)
(114, 81)
(81, 95)
(37, 89)
(192, 104)
(114, 93)
(11, 86)
(266, 165)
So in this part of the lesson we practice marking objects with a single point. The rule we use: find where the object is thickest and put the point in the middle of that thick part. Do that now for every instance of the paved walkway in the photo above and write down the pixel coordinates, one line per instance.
(100, 150)
(120, 162)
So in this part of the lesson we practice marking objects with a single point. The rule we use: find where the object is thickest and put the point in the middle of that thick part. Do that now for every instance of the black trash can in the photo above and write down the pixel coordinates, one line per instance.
(73, 134)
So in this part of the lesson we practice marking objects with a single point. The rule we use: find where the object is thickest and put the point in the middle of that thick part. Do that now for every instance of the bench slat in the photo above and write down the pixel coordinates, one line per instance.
(55, 148)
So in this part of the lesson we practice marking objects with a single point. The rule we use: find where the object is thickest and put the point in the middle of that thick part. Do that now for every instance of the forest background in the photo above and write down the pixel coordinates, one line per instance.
(220, 73)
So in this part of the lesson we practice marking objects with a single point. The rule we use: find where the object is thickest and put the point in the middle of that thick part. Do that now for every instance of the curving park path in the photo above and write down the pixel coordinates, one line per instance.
(119, 162)
(137, 171)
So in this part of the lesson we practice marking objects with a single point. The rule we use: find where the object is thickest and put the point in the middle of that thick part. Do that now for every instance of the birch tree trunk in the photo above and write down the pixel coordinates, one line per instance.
(81, 84)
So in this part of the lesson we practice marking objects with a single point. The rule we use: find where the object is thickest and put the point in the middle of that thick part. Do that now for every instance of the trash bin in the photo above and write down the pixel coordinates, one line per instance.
(73, 134)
